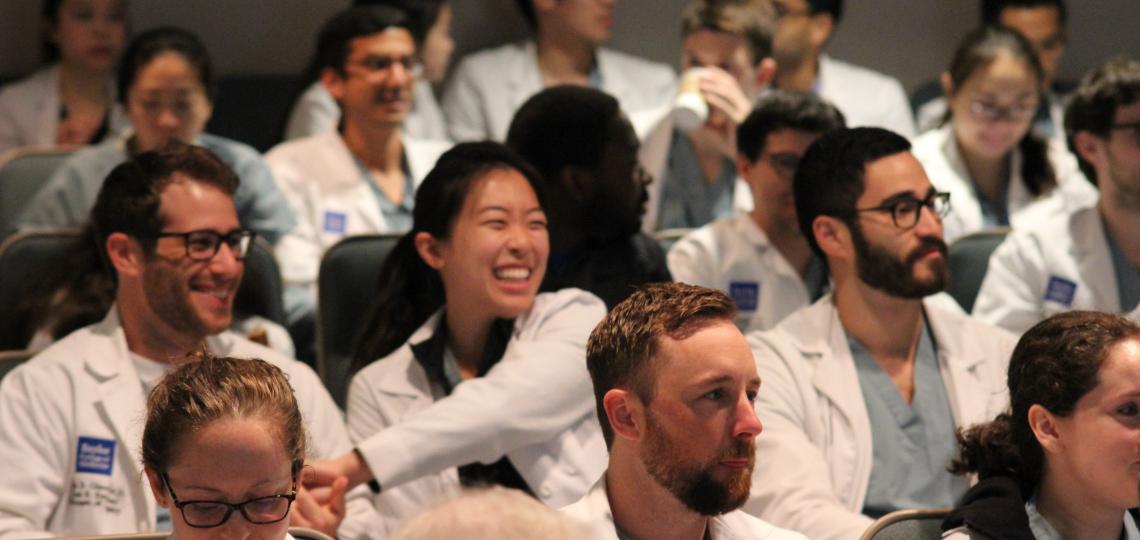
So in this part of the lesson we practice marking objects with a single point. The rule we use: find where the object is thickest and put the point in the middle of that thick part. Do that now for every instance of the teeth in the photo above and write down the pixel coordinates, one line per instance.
(513, 273)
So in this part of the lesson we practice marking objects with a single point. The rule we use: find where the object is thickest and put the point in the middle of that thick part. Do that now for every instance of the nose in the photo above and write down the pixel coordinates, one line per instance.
(225, 263)
(929, 223)
(518, 239)
(168, 119)
(235, 528)
(747, 424)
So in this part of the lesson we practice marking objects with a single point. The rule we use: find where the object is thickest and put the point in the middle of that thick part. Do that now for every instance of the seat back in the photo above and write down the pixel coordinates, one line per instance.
(261, 291)
(969, 259)
(921, 524)
(22, 172)
(253, 109)
(303, 533)
(346, 283)
(10, 359)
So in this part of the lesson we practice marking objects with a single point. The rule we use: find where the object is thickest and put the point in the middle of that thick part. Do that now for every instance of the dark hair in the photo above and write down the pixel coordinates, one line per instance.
(152, 43)
(1054, 364)
(785, 109)
(977, 50)
(526, 9)
(130, 198)
(620, 347)
(408, 290)
(754, 20)
(200, 391)
(829, 179)
(1093, 105)
(422, 14)
(991, 9)
(831, 7)
(335, 38)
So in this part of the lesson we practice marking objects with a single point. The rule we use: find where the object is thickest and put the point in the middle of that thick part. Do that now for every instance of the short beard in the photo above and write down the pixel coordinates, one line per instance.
(694, 484)
(882, 270)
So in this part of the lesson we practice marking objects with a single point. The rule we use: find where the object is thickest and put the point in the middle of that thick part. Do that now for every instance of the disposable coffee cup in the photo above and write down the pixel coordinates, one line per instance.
(690, 110)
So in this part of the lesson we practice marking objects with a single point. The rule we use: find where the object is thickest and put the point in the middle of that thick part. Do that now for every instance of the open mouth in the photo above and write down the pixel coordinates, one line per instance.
(514, 273)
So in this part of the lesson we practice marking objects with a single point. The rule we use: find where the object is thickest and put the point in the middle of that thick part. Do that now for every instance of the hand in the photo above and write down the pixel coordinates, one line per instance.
(320, 508)
(325, 473)
(723, 93)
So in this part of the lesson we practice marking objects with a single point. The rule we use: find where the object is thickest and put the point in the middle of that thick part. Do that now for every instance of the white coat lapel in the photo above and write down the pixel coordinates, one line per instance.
(347, 182)
(523, 80)
(965, 208)
(959, 359)
(1093, 259)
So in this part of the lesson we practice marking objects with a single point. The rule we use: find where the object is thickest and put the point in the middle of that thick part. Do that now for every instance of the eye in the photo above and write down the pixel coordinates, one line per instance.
(537, 224)
(496, 224)
(1128, 409)
(752, 395)
(715, 395)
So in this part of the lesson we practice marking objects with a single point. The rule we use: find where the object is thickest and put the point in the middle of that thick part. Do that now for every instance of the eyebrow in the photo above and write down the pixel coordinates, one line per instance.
(906, 195)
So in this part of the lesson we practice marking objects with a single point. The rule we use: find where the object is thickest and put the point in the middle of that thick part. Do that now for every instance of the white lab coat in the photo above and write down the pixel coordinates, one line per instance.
(814, 458)
(938, 152)
(489, 86)
(535, 406)
(654, 158)
(865, 97)
(320, 177)
(593, 510)
(86, 386)
(29, 111)
(316, 112)
(735, 250)
(1071, 247)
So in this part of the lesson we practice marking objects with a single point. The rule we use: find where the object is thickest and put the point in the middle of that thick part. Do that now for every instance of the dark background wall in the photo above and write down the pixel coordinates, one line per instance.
(911, 39)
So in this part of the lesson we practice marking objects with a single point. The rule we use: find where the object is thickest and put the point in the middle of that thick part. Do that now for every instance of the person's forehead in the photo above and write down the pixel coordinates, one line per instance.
(790, 138)
(716, 349)
(1032, 20)
(1127, 114)
(185, 197)
(894, 174)
(391, 39)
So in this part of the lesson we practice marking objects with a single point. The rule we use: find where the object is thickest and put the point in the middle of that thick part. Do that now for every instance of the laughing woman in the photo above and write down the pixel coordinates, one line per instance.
(467, 376)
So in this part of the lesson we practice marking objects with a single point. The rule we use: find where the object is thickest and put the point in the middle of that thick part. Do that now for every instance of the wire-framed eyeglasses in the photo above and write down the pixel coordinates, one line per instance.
(906, 211)
(202, 245)
(259, 510)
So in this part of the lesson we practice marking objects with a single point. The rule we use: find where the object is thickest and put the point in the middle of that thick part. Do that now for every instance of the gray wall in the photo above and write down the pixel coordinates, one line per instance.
(911, 39)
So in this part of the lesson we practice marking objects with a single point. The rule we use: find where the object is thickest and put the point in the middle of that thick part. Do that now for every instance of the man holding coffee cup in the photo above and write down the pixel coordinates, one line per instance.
(726, 59)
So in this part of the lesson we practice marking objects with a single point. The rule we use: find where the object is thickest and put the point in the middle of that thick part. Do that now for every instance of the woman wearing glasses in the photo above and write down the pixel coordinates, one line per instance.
(998, 173)
(223, 448)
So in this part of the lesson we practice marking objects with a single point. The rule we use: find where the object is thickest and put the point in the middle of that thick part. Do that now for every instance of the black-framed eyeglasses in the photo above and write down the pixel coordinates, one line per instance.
(990, 112)
(1134, 127)
(905, 212)
(204, 244)
(259, 510)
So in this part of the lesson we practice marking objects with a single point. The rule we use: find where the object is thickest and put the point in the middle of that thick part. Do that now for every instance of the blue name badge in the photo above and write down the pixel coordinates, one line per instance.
(746, 294)
(95, 456)
(1060, 290)
(335, 222)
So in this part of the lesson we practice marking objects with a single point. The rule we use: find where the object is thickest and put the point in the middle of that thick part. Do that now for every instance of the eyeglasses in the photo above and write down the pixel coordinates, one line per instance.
(1134, 127)
(905, 212)
(988, 112)
(785, 163)
(373, 65)
(204, 244)
(259, 511)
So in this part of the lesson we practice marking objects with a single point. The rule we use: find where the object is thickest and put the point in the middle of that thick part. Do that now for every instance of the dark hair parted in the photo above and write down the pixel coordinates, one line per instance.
(779, 110)
(422, 14)
(150, 44)
(409, 291)
(207, 389)
(1093, 105)
(1054, 364)
(619, 350)
(754, 20)
(830, 7)
(334, 43)
(130, 198)
(991, 10)
(829, 179)
(977, 50)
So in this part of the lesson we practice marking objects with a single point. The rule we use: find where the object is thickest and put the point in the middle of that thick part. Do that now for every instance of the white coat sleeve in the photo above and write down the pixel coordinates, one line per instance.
(65, 200)
(1010, 294)
(328, 438)
(315, 111)
(897, 115)
(791, 485)
(299, 251)
(464, 106)
(34, 442)
(261, 206)
(538, 390)
(690, 261)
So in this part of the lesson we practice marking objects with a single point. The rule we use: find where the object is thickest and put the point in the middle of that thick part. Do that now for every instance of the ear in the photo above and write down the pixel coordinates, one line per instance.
(429, 250)
(624, 411)
(333, 82)
(1089, 147)
(946, 83)
(744, 170)
(822, 26)
(578, 182)
(765, 72)
(125, 254)
(161, 494)
(1044, 426)
(832, 236)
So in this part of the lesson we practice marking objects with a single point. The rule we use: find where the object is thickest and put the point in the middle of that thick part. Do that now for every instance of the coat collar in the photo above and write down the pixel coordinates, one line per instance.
(1089, 249)
(410, 380)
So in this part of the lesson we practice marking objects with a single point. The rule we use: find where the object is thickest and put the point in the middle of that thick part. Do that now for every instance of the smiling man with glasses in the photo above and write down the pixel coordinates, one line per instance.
(864, 389)
(1089, 259)
(760, 258)
(165, 223)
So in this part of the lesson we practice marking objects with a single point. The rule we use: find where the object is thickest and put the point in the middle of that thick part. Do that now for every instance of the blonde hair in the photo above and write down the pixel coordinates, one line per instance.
(203, 389)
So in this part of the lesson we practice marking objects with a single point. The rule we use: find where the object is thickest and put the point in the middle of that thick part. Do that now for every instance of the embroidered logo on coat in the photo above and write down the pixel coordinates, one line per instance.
(335, 222)
(95, 456)
(1060, 290)
(746, 294)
